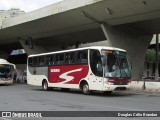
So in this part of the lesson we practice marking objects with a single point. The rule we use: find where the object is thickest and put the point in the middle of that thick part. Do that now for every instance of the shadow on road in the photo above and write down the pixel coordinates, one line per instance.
(3, 85)
(93, 93)
(72, 91)
(12, 84)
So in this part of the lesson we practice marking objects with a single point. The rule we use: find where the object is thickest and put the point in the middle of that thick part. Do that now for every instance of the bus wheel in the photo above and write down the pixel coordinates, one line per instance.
(45, 86)
(85, 89)
(107, 92)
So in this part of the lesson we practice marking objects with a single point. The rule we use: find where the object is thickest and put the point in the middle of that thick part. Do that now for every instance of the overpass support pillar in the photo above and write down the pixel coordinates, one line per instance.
(134, 41)
(4, 54)
(36, 49)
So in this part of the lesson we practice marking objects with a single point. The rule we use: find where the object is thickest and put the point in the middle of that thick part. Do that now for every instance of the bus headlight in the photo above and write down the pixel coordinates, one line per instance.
(109, 83)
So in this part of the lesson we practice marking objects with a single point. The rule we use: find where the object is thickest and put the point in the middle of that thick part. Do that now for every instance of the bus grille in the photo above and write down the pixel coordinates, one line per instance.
(120, 88)
(120, 83)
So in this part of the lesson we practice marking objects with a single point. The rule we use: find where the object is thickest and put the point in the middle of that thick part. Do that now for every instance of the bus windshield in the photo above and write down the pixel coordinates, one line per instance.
(6, 70)
(117, 64)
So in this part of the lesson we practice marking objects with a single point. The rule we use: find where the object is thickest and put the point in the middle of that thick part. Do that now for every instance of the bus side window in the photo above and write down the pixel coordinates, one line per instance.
(67, 58)
(96, 63)
(84, 57)
(72, 57)
(51, 59)
(45, 60)
(39, 61)
(79, 56)
(48, 60)
(61, 59)
(42, 61)
(56, 59)
(35, 61)
(30, 61)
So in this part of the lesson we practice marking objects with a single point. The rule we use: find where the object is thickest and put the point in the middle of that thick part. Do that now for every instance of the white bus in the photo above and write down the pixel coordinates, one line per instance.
(88, 69)
(6, 72)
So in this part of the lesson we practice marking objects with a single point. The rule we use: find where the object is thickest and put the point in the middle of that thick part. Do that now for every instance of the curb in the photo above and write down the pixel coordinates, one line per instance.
(143, 92)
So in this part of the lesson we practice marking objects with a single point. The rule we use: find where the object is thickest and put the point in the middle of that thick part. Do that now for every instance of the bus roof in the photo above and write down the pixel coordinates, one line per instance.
(70, 50)
(3, 61)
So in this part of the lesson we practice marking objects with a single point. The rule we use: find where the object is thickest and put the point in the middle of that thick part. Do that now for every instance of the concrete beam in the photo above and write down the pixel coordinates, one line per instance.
(37, 49)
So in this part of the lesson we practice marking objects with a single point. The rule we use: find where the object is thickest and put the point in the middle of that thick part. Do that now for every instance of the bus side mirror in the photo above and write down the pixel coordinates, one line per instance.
(104, 60)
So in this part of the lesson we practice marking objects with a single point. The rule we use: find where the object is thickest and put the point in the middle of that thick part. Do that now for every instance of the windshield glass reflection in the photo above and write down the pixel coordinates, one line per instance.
(117, 64)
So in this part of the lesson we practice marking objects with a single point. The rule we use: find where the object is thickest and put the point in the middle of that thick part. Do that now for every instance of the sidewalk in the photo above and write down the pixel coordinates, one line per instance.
(151, 87)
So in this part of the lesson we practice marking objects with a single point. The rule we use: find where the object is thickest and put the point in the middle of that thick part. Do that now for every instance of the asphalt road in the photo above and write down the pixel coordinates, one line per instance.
(20, 97)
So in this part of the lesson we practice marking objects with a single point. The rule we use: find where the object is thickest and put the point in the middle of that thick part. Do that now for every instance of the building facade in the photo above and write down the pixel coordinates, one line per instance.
(13, 12)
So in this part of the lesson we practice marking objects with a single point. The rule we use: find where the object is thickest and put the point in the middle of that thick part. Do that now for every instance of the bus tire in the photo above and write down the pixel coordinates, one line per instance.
(85, 89)
(45, 86)
(107, 92)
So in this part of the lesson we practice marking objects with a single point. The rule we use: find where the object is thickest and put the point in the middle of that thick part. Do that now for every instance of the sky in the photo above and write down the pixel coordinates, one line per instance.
(26, 5)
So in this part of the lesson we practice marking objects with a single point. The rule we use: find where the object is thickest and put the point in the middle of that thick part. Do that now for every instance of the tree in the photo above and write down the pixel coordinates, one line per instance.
(151, 54)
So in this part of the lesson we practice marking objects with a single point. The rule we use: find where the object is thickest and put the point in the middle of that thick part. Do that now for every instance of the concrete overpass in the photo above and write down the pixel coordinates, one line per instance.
(128, 24)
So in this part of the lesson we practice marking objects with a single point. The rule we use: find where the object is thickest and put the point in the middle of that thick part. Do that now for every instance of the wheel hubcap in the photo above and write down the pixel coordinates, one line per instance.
(45, 85)
(85, 88)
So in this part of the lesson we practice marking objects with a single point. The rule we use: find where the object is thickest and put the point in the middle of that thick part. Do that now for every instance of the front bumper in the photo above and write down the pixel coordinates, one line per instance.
(115, 87)
(6, 81)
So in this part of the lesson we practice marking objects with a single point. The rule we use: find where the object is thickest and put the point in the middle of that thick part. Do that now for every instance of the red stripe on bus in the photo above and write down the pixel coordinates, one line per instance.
(70, 74)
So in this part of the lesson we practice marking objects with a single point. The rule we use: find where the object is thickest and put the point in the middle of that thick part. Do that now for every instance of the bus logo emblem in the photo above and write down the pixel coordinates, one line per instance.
(55, 70)
(67, 77)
